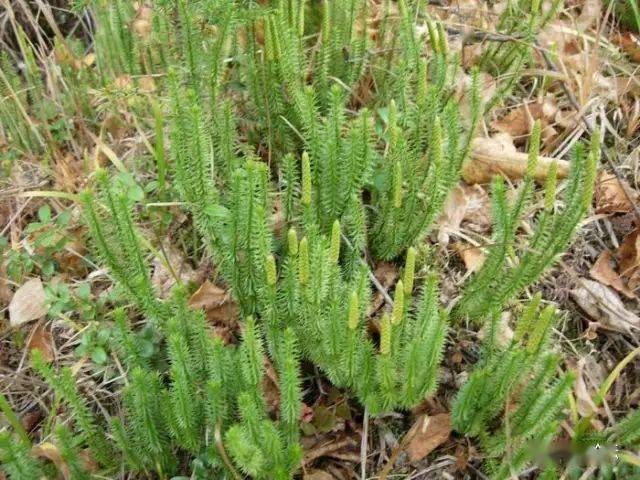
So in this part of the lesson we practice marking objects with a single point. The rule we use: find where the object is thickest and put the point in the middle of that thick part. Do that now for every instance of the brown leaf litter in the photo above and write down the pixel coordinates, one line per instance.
(387, 274)
(41, 339)
(629, 259)
(613, 195)
(603, 272)
(604, 306)
(427, 434)
(467, 204)
(629, 43)
(620, 269)
(172, 264)
(518, 123)
(472, 257)
(28, 303)
(217, 303)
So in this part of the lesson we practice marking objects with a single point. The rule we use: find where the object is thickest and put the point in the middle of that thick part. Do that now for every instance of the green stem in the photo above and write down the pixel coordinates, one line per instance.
(11, 416)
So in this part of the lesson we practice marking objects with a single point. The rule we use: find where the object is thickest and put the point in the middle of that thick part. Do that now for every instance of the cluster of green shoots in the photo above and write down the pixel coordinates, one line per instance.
(289, 177)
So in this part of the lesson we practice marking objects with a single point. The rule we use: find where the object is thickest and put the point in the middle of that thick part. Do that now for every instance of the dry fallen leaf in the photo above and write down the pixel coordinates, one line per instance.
(5, 291)
(41, 339)
(497, 156)
(614, 88)
(386, 273)
(147, 83)
(427, 434)
(584, 400)
(49, 451)
(28, 303)
(473, 257)
(115, 126)
(88, 462)
(629, 259)
(67, 170)
(610, 196)
(469, 204)
(271, 387)
(590, 13)
(328, 447)
(89, 59)
(70, 259)
(604, 306)
(216, 302)
(141, 24)
(317, 475)
(123, 82)
(629, 43)
(208, 295)
(163, 279)
(603, 272)
(519, 121)
(30, 419)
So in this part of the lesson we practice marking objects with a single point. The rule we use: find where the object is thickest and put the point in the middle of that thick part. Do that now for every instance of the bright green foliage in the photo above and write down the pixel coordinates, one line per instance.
(424, 138)
(117, 45)
(627, 431)
(344, 43)
(297, 149)
(201, 394)
(336, 165)
(424, 153)
(512, 397)
(522, 19)
(307, 298)
(333, 333)
(13, 115)
(16, 459)
(193, 35)
(407, 167)
(203, 384)
(118, 244)
(265, 449)
(424, 145)
(65, 387)
(234, 226)
(509, 267)
(277, 72)
(250, 237)
(70, 453)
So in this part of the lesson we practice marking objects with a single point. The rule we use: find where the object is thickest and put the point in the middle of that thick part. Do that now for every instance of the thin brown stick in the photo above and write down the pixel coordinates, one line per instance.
(223, 453)
(371, 275)
(326, 449)
(395, 453)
